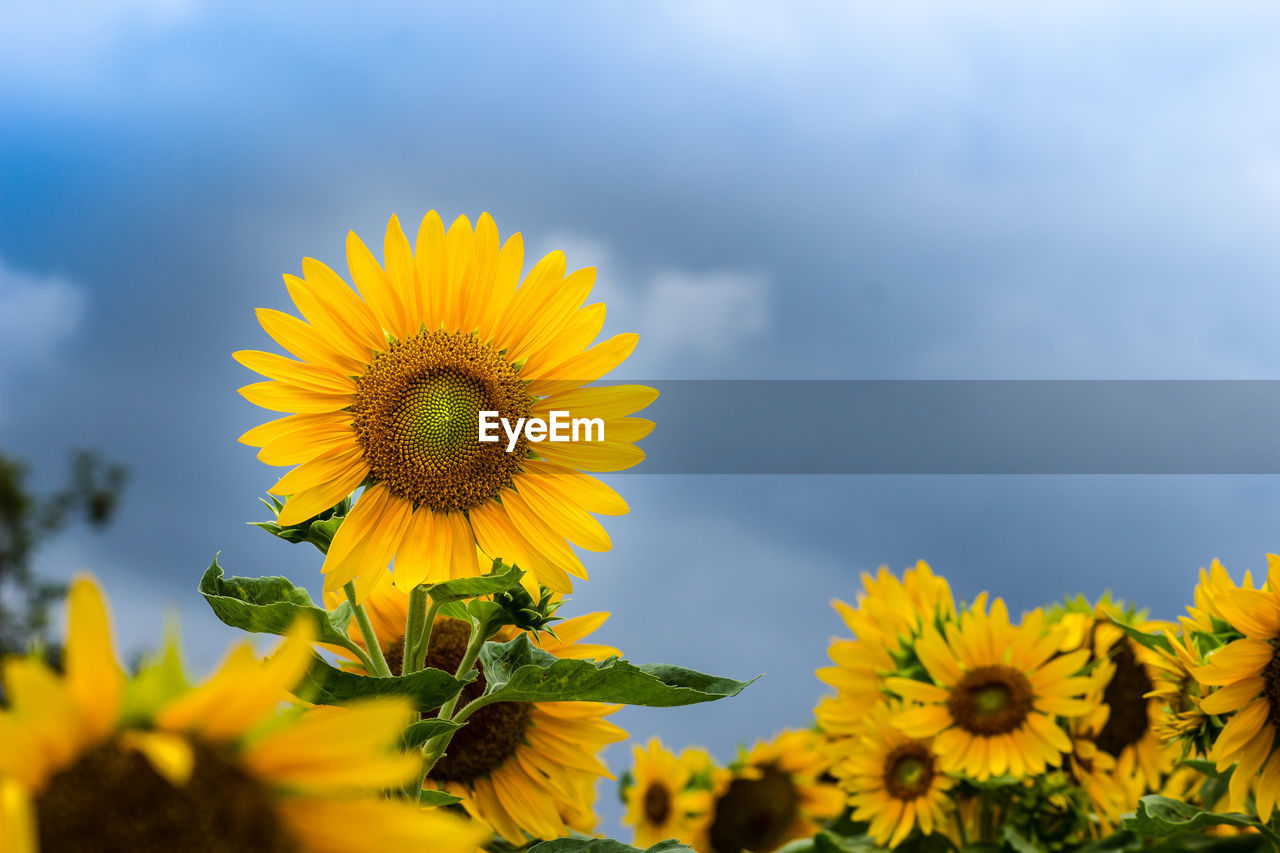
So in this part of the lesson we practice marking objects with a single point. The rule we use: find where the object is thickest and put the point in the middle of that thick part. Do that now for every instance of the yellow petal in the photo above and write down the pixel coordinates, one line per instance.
(95, 679)
(308, 343)
(168, 754)
(313, 377)
(376, 288)
(17, 818)
(283, 397)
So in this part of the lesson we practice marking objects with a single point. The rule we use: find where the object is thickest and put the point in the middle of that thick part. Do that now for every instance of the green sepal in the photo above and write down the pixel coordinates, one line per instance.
(1159, 816)
(269, 605)
(424, 730)
(500, 578)
(518, 671)
(429, 688)
(158, 680)
(318, 530)
(432, 798)
(1155, 642)
(583, 844)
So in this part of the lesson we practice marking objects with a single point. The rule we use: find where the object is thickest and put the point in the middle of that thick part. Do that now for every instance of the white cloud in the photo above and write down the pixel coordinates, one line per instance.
(37, 315)
(683, 317)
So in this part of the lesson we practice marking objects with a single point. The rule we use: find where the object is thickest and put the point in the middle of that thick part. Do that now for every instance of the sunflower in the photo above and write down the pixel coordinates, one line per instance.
(893, 781)
(776, 795)
(995, 694)
(1112, 786)
(664, 799)
(1176, 691)
(1246, 675)
(888, 616)
(1129, 730)
(96, 761)
(387, 393)
(519, 767)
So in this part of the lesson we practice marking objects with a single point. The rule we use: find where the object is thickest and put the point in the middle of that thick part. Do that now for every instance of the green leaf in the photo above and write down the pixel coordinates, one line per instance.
(500, 578)
(830, 842)
(429, 688)
(1208, 768)
(1159, 816)
(518, 671)
(605, 845)
(437, 798)
(1018, 842)
(1155, 642)
(266, 605)
(424, 730)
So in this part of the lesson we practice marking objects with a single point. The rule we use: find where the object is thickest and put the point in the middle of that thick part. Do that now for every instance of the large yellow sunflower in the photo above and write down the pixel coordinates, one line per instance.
(1246, 675)
(993, 705)
(894, 782)
(388, 390)
(665, 799)
(778, 794)
(96, 761)
(520, 767)
(887, 617)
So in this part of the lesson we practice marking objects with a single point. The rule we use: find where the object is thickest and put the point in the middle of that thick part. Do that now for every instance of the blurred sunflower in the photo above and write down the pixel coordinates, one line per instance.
(1112, 786)
(995, 696)
(519, 767)
(664, 799)
(777, 794)
(387, 393)
(94, 761)
(1246, 675)
(887, 617)
(1177, 692)
(893, 781)
(1129, 730)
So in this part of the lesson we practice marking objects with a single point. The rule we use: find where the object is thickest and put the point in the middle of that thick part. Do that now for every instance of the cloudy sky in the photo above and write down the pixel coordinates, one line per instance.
(989, 190)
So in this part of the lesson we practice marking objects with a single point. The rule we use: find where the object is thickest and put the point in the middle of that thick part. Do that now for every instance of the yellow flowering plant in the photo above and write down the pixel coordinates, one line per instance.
(1082, 726)
(441, 420)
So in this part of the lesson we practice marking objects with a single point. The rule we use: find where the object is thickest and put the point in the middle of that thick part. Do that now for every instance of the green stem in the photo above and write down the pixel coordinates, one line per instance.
(960, 827)
(413, 628)
(366, 630)
(470, 708)
(434, 749)
(986, 826)
(424, 642)
(355, 649)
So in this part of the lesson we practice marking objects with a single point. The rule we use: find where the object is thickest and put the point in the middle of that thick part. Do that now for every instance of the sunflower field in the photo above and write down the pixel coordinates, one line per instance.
(441, 694)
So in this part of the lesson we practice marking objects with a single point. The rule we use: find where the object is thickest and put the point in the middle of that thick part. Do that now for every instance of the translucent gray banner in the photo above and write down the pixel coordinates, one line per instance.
(963, 427)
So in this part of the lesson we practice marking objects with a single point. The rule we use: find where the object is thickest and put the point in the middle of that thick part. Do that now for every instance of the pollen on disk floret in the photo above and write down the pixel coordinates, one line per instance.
(416, 415)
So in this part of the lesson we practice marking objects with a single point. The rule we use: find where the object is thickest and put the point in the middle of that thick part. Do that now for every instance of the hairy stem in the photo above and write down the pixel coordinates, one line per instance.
(413, 629)
(371, 644)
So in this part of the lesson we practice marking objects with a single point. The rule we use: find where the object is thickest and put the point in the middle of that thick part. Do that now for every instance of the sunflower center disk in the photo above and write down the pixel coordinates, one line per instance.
(492, 734)
(416, 415)
(754, 814)
(112, 799)
(1128, 720)
(908, 771)
(1271, 686)
(657, 804)
(991, 700)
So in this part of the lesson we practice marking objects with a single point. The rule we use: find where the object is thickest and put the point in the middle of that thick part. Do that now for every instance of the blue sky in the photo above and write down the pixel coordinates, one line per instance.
(990, 190)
